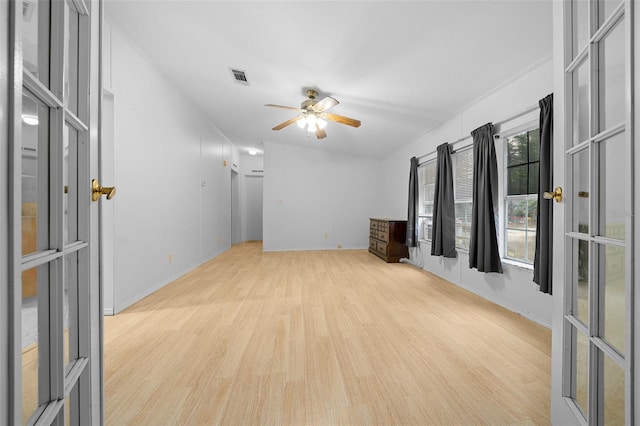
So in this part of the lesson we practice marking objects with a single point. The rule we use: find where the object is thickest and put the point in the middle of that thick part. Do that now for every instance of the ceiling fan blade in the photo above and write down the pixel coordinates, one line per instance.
(320, 133)
(325, 104)
(286, 123)
(341, 119)
(284, 107)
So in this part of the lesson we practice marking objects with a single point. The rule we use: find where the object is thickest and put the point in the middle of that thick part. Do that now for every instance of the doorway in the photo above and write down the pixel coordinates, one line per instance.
(253, 193)
(236, 234)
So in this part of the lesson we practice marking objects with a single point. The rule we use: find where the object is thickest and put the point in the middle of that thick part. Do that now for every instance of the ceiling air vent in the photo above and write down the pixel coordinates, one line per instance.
(239, 76)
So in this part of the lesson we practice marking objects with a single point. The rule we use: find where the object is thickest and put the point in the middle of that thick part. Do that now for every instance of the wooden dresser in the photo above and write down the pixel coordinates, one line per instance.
(387, 239)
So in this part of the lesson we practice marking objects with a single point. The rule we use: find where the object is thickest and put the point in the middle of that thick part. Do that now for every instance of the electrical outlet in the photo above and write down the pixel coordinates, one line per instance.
(170, 257)
(339, 246)
(326, 236)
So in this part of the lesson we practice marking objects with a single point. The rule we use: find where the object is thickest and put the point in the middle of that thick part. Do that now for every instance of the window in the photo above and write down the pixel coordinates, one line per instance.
(521, 201)
(463, 195)
(427, 183)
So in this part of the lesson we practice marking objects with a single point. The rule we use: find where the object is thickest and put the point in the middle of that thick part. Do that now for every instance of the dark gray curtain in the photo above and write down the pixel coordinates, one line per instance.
(483, 245)
(412, 213)
(443, 242)
(542, 264)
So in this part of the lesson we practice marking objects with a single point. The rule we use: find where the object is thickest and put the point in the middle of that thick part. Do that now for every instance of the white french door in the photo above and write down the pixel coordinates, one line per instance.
(53, 136)
(593, 156)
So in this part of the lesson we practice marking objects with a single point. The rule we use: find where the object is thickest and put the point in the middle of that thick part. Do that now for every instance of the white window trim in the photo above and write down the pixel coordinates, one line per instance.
(500, 139)
(421, 216)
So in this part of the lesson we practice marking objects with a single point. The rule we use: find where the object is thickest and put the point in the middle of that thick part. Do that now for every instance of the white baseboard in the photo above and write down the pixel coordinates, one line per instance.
(121, 307)
(108, 312)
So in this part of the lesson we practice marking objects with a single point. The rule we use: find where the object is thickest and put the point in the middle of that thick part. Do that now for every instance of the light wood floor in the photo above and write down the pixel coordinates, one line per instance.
(328, 337)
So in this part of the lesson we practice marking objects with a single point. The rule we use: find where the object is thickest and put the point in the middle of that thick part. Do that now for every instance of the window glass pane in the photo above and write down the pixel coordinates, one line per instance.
(611, 78)
(463, 224)
(33, 280)
(613, 392)
(426, 182)
(517, 150)
(35, 39)
(463, 185)
(580, 370)
(532, 209)
(580, 192)
(534, 145)
(531, 246)
(612, 260)
(606, 8)
(580, 280)
(71, 60)
(581, 103)
(534, 174)
(425, 224)
(517, 214)
(517, 180)
(70, 182)
(517, 244)
(35, 175)
(613, 183)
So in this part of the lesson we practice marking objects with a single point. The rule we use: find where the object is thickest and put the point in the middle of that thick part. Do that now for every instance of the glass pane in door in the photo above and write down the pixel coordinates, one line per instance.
(35, 38)
(580, 371)
(32, 280)
(605, 8)
(613, 379)
(70, 300)
(70, 182)
(580, 281)
(71, 60)
(579, 25)
(613, 183)
(581, 103)
(611, 78)
(612, 278)
(580, 192)
(35, 175)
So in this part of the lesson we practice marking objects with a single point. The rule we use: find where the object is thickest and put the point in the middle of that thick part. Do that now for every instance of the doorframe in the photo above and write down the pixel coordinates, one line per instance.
(5, 113)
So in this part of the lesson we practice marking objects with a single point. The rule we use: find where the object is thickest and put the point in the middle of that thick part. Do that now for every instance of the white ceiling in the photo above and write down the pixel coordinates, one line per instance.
(401, 67)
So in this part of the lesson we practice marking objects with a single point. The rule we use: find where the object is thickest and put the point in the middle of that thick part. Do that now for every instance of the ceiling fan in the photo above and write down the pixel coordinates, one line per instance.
(313, 115)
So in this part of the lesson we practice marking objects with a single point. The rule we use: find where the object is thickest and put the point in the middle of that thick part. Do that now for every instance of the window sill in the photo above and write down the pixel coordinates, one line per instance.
(520, 265)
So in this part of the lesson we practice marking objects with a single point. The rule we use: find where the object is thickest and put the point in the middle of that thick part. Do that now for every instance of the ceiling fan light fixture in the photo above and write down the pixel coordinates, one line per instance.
(302, 122)
(321, 123)
(311, 123)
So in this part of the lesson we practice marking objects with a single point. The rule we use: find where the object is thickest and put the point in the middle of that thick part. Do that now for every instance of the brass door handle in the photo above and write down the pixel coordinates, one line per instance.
(97, 191)
(556, 194)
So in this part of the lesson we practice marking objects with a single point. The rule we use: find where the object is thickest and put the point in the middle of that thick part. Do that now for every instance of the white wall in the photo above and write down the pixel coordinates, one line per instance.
(315, 200)
(172, 208)
(514, 289)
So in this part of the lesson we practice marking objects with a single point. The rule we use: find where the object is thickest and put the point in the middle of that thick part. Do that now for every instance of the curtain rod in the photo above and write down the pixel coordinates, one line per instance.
(497, 123)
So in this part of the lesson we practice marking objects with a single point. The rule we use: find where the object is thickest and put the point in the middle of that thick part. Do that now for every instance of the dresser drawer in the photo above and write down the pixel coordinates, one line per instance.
(384, 236)
(381, 247)
(373, 244)
(373, 224)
